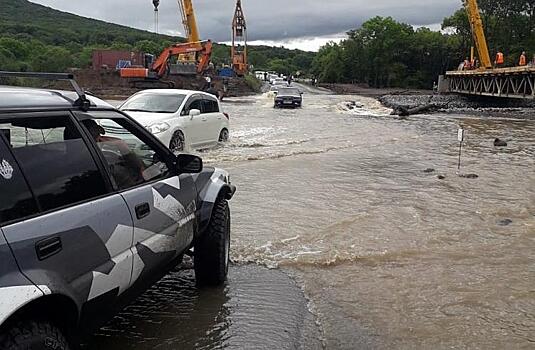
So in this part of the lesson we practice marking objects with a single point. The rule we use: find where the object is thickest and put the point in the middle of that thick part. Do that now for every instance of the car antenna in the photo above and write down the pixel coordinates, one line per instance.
(82, 102)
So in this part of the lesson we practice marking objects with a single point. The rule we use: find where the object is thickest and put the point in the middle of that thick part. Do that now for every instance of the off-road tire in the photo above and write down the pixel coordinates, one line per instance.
(224, 136)
(211, 251)
(34, 335)
(177, 142)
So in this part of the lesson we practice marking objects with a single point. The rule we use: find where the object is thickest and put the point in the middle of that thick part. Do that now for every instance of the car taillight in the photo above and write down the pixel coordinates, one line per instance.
(226, 115)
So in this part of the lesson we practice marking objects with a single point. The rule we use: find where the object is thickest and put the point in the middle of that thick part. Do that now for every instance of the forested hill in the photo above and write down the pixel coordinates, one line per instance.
(23, 19)
(39, 38)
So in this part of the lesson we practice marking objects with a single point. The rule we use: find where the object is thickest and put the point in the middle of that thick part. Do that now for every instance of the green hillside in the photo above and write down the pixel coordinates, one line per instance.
(35, 37)
(23, 19)
(39, 38)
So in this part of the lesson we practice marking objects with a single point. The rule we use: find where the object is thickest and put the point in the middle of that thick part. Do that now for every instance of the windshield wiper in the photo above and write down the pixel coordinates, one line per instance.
(144, 110)
(136, 110)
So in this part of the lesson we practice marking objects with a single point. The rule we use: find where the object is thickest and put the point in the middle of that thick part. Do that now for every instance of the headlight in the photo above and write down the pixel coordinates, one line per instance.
(158, 128)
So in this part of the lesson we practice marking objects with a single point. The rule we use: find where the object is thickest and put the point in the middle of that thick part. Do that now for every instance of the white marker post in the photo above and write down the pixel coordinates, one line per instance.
(460, 137)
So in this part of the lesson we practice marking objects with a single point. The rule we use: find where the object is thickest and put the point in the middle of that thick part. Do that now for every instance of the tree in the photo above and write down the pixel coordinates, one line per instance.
(52, 59)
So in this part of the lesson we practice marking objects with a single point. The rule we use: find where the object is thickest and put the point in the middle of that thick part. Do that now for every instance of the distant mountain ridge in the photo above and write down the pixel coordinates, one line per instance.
(22, 18)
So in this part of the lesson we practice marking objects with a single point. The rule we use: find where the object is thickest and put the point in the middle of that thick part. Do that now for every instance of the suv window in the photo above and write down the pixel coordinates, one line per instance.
(194, 102)
(210, 105)
(55, 160)
(130, 160)
(16, 201)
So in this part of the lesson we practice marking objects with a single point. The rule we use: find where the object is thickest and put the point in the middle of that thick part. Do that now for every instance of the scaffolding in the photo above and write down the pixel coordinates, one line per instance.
(239, 42)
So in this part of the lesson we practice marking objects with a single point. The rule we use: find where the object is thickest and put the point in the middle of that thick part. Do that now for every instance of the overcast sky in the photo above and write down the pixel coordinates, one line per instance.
(303, 24)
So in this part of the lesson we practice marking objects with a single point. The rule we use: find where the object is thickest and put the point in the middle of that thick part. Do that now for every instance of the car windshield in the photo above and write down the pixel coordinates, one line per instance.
(154, 103)
(287, 91)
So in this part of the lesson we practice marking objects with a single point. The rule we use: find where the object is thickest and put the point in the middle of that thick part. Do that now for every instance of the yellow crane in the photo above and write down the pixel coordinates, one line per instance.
(189, 21)
(478, 33)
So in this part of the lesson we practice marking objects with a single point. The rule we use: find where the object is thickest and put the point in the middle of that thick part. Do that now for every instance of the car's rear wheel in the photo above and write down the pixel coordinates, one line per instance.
(212, 249)
(223, 135)
(38, 335)
(177, 142)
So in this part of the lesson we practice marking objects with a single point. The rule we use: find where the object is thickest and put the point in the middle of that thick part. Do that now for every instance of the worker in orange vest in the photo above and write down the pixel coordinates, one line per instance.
(523, 60)
(467, 65)
(500, 59)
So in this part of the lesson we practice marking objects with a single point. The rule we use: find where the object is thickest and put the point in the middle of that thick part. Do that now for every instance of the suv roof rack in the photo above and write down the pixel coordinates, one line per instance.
(82, 102)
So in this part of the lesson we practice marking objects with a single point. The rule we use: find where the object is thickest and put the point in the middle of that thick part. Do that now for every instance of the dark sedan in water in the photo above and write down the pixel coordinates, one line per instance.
(288, 97)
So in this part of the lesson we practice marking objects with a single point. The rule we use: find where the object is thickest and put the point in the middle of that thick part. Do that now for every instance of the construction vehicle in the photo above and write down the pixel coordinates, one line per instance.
(478, 33)
(191, 30)
(239, 42)
(163, 66)
(190, 58)
(502, 82)
(189, 21)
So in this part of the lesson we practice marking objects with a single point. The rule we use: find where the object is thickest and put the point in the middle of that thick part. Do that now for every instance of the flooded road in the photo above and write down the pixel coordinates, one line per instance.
(389, 256)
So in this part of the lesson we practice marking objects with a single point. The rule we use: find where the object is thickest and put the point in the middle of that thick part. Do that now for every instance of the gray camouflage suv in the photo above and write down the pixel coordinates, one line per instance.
(93, 210)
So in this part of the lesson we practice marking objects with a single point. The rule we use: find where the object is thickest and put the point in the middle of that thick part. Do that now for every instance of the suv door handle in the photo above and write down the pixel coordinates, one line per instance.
(142, 210)
(48, 247)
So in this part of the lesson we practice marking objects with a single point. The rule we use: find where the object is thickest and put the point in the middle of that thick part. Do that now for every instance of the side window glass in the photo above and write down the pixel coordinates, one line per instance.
(16, 201)
(131, 161)
(55, 160)
(206, 106)
(210, 106)
(215, 106)
(194, 103)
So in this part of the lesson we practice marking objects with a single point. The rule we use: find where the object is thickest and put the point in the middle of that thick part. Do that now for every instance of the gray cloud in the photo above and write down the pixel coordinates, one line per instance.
(277, 20)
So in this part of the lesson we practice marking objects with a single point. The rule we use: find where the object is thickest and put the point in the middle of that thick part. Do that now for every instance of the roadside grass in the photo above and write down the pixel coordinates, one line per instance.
(253, 83)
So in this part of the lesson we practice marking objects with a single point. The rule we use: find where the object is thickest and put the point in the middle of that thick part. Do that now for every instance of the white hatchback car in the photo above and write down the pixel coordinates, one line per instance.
(181, 119)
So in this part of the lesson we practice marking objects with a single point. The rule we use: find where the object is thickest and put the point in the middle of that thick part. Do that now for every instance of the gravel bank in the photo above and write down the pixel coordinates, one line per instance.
(461, 104)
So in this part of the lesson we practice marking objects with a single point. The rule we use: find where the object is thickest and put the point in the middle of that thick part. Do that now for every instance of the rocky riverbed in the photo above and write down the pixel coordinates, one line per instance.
(460, 104)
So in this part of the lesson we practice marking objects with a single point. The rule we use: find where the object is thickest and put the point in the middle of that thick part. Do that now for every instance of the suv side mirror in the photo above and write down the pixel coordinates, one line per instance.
(194, 113)
(189, 164)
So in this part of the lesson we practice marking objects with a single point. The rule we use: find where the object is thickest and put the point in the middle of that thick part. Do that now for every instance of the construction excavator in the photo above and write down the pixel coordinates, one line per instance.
(478, 33)
(190, 58)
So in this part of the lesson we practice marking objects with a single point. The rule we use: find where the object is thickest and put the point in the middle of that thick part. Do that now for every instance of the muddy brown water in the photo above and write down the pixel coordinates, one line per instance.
(381, 254)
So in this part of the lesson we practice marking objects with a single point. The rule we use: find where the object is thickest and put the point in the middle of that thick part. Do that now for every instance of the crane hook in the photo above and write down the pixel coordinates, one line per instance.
(156, 3)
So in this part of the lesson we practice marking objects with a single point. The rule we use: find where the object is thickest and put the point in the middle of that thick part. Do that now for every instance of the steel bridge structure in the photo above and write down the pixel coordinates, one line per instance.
(517, 82)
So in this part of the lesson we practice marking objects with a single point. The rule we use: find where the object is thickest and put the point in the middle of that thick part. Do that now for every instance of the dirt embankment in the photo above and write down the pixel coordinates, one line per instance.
(108, 84)
(365, 90)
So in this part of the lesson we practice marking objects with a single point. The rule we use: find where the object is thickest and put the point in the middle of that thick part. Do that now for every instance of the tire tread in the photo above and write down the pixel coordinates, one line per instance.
(209, 264)
(21, 334)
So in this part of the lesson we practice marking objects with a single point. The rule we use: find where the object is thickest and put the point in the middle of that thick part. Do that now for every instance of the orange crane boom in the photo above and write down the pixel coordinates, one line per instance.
(159, 68)
(202, 48)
